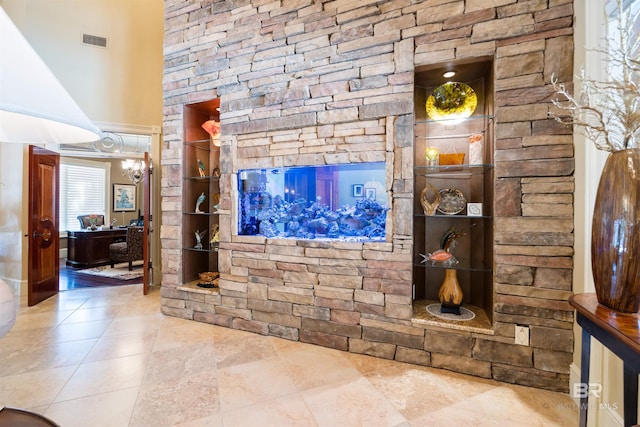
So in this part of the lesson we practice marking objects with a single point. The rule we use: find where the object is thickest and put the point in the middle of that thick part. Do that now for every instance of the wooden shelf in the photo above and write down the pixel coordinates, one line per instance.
(199, 149)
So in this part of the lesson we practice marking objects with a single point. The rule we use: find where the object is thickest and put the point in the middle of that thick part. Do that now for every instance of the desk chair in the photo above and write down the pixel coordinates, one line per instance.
(130, 250)
(85, 223)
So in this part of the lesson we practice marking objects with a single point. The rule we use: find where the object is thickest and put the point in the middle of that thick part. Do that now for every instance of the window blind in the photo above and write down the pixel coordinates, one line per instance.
(83, 191)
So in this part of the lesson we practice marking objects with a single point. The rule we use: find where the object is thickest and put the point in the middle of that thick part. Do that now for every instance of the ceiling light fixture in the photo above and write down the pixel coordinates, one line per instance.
(448, 74)
(134, 169)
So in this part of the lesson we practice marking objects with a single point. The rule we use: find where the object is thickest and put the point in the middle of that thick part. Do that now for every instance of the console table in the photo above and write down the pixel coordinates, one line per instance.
(620, 333)
(90, 248)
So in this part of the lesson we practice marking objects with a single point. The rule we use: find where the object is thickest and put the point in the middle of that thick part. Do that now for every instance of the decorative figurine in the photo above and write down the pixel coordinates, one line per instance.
(201, 168)
(199, 235)
(216, 173)
(215, 236)
(476, 156)
(201, 198)
(209, 279)
(450, 292)
(428, 207)
(213, 129)
(216, 200)
(432, 156)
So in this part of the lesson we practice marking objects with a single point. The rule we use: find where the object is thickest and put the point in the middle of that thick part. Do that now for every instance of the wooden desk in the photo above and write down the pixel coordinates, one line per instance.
(86, 248)
(620, 333)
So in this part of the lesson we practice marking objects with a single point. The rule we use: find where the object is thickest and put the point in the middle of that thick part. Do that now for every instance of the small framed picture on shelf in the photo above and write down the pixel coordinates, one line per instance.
(124, 198)
(370, 193)
(357, 190)
(474, 209)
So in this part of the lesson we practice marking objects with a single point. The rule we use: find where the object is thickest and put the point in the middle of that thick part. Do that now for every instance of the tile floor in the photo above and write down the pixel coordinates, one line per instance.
(108, 357)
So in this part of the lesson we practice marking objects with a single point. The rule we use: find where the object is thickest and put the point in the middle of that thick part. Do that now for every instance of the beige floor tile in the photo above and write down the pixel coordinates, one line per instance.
(175, 333)
(283, 411)
(19, 339)
(354, 403)
(48, 356)
(79, 293)
(369, 364)
(101, 410)
(107, 300)
(55, 304)
(105, 376)
(170, 365)
(141, 368)
(543, 407)
(183, 398)
(255, 382)
(302, 367)
(211, 421)
(238, 347)
(79, 331)
(93, 314)
(139, 307)
(113, 346)
(33, 389)
(127, 325)
(504, 405)
(36, 320)
(405, 386)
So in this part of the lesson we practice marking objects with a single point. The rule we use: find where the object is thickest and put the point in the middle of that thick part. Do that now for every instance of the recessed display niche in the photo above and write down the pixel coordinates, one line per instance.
(453, 195)
(346, 202)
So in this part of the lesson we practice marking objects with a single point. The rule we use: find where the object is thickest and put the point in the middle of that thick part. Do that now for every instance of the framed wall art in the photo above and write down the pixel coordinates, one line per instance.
(358, 190)
(370, 193)
(124, 198)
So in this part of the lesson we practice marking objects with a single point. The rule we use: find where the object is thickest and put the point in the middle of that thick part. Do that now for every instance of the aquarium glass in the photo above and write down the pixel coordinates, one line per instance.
(339, 202)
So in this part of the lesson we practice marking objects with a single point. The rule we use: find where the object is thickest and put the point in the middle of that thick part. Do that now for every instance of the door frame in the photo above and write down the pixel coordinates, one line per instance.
(43, 237)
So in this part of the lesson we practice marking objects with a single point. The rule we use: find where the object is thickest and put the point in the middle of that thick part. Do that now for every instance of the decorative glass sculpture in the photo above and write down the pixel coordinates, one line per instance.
(452, 101)
(213, 129)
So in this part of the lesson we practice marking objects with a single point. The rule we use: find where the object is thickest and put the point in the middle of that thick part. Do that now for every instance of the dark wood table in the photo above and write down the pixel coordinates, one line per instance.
(620, 333)
(90, 248)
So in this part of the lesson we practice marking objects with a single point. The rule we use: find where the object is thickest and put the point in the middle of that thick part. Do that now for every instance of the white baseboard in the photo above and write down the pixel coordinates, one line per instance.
(604, 415)
(574, 378)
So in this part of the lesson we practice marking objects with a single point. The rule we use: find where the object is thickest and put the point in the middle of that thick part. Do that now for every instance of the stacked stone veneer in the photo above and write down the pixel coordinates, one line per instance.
(308, 82)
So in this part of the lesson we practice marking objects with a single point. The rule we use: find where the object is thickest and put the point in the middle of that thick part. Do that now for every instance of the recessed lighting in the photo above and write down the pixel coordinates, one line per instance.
(449, 74)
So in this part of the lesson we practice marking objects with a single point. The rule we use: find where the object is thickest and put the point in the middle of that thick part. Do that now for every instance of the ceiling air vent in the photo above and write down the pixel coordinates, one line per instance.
(94, 40)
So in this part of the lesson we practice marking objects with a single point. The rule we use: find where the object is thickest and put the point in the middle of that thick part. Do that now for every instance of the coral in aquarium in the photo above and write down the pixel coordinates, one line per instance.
(275, 217)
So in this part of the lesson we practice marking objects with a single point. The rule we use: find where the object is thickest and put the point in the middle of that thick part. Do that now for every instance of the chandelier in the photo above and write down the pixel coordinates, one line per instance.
(134, 169)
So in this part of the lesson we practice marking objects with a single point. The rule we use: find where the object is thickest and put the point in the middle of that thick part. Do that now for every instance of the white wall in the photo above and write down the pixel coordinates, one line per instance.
(606, 368)
(11, 214)
(120, 85)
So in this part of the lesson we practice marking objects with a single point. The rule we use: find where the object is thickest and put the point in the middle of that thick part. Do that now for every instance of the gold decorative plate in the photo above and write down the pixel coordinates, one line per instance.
(452, 201)
(452, 101)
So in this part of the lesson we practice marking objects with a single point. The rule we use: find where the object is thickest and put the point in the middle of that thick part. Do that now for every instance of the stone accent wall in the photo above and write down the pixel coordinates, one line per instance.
(308, 82)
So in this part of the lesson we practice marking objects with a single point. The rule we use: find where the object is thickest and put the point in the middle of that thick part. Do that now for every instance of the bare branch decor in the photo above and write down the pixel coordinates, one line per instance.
(608, 112)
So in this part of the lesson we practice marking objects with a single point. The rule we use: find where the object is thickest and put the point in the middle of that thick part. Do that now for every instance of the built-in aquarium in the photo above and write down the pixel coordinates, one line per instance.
(339, 202)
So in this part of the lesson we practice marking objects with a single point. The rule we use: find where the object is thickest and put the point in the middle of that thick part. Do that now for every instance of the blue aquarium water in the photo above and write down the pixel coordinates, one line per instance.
(339, 202)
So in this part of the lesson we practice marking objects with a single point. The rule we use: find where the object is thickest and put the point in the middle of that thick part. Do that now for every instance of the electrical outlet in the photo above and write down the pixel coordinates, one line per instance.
(522, 335)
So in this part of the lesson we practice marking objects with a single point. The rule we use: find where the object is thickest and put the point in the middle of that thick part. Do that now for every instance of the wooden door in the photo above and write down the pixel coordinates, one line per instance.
(43, 237)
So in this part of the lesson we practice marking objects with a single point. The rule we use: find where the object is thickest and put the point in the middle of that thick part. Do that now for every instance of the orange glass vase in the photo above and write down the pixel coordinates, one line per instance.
(615, 233)
(450, 293)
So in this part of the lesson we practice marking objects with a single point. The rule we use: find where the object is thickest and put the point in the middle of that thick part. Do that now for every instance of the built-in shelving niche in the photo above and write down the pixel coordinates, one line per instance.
(475, 249)
(199, 153)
